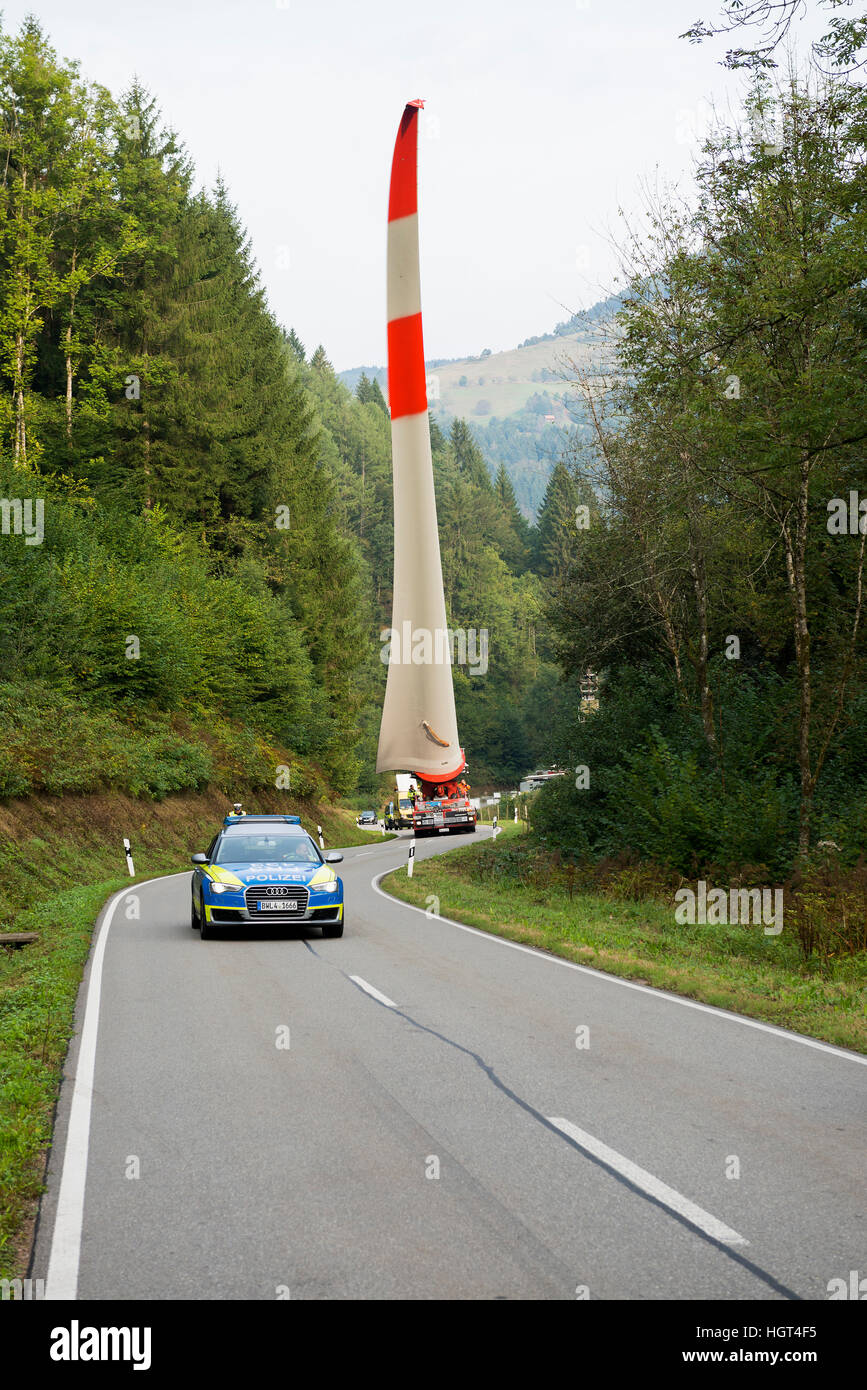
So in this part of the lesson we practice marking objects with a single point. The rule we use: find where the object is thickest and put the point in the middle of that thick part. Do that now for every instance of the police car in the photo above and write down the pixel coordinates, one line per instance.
(265, 869)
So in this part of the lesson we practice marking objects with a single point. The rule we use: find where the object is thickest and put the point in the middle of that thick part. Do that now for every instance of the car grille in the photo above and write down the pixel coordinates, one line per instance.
(273, 893)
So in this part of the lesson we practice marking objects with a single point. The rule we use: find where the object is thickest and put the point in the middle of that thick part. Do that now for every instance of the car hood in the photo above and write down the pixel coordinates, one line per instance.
(300, 871)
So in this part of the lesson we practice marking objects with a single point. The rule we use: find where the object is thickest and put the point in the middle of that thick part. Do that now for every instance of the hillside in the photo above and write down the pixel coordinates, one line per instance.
(518, 403)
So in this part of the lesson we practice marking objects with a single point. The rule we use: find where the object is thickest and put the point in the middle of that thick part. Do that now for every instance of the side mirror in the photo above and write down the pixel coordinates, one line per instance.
(333, 857)
(199, 859)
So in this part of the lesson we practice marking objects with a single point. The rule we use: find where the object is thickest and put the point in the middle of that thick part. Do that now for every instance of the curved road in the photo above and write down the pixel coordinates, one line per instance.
(404, 1113)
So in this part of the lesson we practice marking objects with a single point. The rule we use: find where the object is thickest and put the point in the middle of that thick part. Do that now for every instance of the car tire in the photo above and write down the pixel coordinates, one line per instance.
(333, 929)
(207, 930)
(195, 920)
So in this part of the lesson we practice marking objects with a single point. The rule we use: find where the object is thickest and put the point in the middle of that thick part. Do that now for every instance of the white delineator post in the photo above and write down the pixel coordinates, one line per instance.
(496, 828)
(411, 860)
(319, 833)
(127, 849)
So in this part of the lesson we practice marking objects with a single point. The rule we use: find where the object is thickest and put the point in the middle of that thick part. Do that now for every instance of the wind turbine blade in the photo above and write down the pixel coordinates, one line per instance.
(419, 694)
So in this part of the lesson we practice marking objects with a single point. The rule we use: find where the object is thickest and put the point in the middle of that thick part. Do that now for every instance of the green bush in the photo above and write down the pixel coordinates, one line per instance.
(657, 791)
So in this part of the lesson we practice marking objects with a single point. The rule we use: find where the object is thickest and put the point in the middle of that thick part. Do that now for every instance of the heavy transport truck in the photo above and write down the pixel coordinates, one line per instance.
(453, 811)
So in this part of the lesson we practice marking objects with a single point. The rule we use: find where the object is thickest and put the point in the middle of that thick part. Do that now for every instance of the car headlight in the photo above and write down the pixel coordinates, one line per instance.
(227, 888)
(325, 887)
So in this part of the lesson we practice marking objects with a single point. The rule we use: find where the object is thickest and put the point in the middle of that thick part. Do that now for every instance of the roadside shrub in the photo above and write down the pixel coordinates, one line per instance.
(659, 793)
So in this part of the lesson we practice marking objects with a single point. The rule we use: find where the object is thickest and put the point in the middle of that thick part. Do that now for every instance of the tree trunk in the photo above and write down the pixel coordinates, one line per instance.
(20, 426)
(663, 608)
(699, 579)
(69, 353)
(69, 382)
(796, 574)
(147, 464)
(362, 497)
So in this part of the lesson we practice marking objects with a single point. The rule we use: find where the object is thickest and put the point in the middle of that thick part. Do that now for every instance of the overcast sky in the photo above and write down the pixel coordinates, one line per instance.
(541, 120)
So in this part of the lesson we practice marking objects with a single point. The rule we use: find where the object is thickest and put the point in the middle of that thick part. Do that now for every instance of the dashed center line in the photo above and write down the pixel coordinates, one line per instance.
(374, 993)
(640, 1178)
(622, 1169)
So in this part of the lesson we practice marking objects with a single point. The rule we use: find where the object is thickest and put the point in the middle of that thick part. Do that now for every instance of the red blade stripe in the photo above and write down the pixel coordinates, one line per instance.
(403, 193)
(407, 388)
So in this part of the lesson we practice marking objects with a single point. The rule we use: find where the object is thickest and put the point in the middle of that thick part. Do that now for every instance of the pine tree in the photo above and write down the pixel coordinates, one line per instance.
(556, 533)
(378, 398)
(514, 532)
(295, 345)
(468, 456)
(319, 361)
(438, 442)
(128, 391)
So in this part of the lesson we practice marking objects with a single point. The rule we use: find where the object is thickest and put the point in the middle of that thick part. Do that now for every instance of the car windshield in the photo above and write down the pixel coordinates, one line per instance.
(266, 846)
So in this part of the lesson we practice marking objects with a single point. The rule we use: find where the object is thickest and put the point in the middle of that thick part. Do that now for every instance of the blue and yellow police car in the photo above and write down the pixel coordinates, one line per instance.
(265, 869)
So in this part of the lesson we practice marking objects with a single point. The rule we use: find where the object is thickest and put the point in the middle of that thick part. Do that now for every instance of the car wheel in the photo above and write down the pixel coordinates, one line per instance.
(195, 921)
(206, 928)
(333, 928)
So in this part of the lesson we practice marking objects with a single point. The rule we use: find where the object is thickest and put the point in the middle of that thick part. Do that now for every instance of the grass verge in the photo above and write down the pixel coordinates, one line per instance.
(38, 989)
(501, 888)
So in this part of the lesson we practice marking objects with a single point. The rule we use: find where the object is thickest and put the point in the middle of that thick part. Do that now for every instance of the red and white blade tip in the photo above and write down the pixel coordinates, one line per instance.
(419, 101)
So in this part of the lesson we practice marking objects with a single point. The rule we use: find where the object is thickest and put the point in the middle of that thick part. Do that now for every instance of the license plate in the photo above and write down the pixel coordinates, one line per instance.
(278, 905)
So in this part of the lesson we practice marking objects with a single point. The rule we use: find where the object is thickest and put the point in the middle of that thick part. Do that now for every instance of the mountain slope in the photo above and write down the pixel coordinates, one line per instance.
(517, 402)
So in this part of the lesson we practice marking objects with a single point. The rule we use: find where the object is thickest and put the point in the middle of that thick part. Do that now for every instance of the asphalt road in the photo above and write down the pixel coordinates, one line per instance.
(405, 1146)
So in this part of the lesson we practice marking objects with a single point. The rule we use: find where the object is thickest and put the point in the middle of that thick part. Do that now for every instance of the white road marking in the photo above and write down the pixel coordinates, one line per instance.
(62, 1278)
(374, 993)
(624, 984)
(675, 1201)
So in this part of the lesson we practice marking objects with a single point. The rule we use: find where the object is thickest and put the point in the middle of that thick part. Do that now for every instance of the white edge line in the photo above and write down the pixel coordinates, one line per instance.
(626, 984)
(654, 1187)
(369, 989)
(61, 1281)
